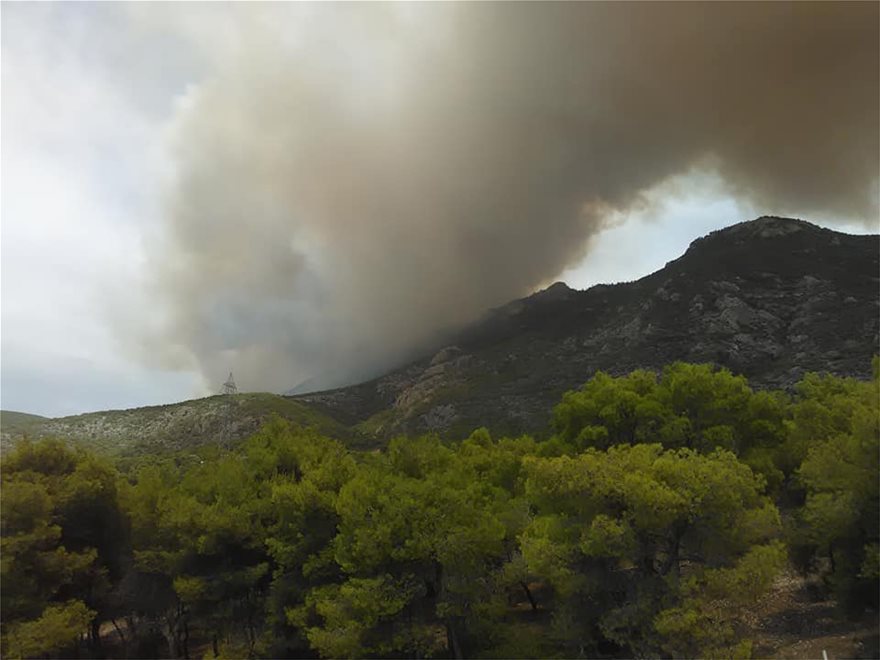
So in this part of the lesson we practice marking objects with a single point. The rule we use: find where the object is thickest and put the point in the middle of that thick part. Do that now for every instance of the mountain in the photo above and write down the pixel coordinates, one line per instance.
(770, 299)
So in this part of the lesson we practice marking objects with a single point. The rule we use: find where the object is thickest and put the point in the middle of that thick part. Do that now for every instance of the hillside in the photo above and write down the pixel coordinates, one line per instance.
(217, 419)
(18, 422)
(771, 299)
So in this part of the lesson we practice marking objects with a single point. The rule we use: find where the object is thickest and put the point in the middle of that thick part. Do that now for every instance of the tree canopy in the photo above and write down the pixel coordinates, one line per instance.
(647, 525)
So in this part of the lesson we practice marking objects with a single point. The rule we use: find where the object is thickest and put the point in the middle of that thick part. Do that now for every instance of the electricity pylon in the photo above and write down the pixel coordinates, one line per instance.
(229, 386)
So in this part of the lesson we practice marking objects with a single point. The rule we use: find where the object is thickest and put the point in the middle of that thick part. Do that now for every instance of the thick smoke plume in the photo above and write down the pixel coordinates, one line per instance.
(350, 179)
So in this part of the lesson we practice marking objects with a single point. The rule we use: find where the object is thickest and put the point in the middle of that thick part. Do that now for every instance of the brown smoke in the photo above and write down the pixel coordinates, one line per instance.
(388, 170)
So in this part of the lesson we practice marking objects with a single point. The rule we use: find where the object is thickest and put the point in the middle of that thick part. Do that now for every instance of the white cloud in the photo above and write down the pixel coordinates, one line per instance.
(80, 163)
(642, 241)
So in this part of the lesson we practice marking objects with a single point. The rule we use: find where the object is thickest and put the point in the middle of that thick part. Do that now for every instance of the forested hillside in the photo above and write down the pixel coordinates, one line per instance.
(655, 516)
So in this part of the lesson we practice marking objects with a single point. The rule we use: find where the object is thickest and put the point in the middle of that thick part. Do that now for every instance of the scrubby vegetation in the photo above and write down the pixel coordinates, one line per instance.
(214, 420)
(646, 525)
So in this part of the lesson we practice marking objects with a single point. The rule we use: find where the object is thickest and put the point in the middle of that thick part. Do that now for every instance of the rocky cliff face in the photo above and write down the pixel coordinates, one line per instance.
(770, 299)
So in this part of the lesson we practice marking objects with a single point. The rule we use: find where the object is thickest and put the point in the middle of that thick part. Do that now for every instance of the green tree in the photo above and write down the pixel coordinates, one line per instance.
(63, 543)
(694, 406)
(58, 627)
(304, 473)
(200, 553)
(420, 542)
(837, 426)
(613, 530)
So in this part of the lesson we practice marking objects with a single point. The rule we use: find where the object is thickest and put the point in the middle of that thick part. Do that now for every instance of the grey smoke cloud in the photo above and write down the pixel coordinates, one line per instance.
(350, 180)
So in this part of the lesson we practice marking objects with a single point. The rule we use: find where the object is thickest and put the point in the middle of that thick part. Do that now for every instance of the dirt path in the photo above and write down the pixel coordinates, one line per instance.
(789, 623)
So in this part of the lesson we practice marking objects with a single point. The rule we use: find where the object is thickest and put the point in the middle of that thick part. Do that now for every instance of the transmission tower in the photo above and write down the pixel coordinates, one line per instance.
(229, 386)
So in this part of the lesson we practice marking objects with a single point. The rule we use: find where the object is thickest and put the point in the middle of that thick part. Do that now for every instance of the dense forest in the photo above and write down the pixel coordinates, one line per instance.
(654, 514)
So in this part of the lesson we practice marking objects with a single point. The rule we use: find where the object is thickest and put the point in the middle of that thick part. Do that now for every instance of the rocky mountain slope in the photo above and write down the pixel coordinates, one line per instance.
(771, 299)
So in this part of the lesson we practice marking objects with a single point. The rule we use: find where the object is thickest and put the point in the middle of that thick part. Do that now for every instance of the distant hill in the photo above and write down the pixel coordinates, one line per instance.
(217, 419)
(18, 422)
(771, 299)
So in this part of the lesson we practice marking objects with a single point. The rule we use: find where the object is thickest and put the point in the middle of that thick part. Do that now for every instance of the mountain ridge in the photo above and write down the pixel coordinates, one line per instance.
(769, 298)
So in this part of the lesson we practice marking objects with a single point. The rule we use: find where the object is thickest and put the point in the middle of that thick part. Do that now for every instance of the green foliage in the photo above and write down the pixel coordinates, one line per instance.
(63, 544)
(692, 406)
(186, 426)
(614, 529)
(420, 516)
(57, 629)
(351, 613)
(836, 426)
(704, 624)
(644, 527)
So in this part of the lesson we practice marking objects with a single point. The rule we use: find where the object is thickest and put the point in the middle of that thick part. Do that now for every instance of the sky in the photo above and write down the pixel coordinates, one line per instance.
(281, 192)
